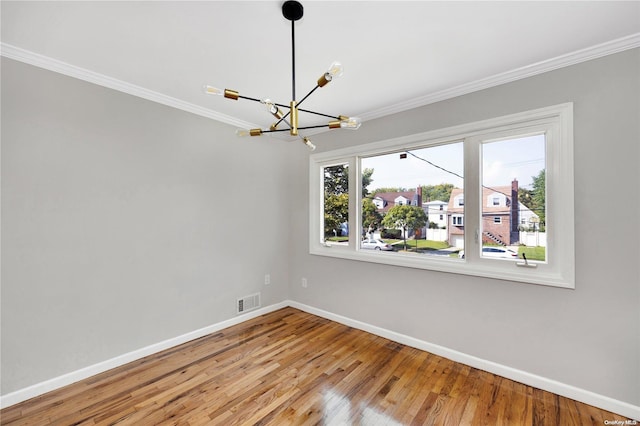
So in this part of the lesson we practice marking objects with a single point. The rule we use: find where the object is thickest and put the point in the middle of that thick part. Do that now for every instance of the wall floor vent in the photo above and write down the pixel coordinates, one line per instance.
(248, 303)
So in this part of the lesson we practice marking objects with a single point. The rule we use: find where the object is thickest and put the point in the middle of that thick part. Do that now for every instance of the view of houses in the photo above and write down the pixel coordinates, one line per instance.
(504, 222)
(430, 219)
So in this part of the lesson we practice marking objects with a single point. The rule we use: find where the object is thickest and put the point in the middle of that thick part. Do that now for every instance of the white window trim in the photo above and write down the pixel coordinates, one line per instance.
(555, 121)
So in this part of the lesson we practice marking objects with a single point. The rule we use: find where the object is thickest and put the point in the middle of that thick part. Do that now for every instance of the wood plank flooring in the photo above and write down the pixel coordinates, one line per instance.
(293, 368)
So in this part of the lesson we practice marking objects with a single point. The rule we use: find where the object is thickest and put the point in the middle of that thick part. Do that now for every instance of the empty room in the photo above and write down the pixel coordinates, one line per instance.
(320, 212)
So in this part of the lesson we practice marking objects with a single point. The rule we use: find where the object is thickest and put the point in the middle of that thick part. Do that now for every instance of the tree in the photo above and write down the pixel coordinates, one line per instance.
(370, 217)
(336, 212)
(440, 192)
(336, 195)
(534, 199)
(387, 189)
(366, 181)
(336, 180)
(405, 217)
(525, 197)
(538, 196)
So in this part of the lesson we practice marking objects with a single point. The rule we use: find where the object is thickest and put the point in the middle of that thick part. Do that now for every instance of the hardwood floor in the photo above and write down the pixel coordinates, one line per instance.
(290, 367)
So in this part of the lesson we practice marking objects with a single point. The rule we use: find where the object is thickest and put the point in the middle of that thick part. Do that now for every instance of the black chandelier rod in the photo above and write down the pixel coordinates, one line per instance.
(300, 109)
(293, 60)
(248, 98)
(319, 126)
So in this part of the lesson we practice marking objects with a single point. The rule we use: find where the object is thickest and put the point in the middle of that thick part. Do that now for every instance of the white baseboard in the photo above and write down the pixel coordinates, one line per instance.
(619, 407)
(84, 373)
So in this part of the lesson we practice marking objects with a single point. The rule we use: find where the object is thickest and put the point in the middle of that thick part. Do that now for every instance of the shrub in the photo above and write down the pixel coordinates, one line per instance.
(392, 233)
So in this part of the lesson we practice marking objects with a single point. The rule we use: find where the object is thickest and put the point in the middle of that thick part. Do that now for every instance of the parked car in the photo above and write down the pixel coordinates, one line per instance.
(375, 244)
(494, 252)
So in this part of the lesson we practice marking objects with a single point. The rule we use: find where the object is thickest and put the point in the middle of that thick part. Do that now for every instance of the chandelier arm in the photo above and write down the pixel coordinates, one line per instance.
(319, 126)
(249, 98)
(274, 130)
(299, 109)
(309, 112)
(284, 116)
(319, 113)
(307, 95)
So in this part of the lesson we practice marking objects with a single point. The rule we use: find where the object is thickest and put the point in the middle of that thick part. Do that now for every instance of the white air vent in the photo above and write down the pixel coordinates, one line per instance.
(248, 303)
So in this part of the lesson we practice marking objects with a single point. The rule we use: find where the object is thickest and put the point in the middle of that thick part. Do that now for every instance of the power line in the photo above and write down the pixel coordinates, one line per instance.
(434, 165)
(453, 173)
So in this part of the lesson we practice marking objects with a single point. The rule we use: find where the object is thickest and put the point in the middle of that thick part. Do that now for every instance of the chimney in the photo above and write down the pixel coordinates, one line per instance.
(515, 212)
(418, 196)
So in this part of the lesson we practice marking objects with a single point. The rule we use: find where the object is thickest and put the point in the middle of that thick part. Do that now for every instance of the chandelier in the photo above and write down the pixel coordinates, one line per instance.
(288, 121)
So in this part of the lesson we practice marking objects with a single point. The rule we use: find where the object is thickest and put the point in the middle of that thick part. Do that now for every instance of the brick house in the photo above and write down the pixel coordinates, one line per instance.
(500, 216)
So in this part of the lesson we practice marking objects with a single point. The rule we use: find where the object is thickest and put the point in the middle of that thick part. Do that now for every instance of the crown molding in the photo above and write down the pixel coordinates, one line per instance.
(608, 48)
(625, 43)
(51, 64)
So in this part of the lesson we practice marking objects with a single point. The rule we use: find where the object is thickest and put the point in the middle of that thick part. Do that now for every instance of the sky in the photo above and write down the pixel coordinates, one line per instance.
(502, 161)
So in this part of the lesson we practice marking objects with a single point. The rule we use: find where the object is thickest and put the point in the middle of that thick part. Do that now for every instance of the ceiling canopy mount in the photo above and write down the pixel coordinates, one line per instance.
(292, 10)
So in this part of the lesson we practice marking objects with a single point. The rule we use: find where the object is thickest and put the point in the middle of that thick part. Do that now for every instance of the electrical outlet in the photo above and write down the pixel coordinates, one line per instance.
(267, 279)
(305, 284)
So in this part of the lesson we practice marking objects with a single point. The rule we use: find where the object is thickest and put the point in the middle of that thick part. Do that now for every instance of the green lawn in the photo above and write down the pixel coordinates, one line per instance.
(338, 239)
(532, 253)
(421, 244)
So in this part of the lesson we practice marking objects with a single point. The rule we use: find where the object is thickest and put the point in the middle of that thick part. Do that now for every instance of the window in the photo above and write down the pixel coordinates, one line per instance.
(522, 158)
(508, 183)
(336, 204)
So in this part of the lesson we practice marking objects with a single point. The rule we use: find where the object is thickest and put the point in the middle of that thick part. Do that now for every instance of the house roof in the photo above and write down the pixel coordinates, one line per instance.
(486, 193)
(390, 197)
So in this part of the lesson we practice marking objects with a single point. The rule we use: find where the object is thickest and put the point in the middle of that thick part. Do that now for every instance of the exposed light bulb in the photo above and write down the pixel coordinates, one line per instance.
(251, 132)
(308, 143)
(335, 69)
(210, 90)
(227, 93)
(272, 108)
(352, 123)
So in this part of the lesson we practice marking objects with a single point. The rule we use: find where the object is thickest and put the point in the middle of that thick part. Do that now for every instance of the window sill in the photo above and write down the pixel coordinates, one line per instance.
(485, 268)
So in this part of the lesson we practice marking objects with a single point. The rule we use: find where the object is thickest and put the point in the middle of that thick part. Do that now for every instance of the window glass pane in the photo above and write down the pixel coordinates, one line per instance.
(408, 201)
(513, 198)
(336, 204)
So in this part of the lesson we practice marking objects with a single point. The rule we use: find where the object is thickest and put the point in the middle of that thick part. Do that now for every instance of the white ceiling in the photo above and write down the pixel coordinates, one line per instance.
(396, 54)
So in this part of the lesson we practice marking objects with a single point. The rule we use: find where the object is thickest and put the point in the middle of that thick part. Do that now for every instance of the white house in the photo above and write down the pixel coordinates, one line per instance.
(436, 212)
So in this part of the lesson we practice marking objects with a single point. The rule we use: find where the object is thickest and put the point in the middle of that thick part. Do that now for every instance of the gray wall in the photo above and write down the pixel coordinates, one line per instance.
(125, 223)
(588, 337)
